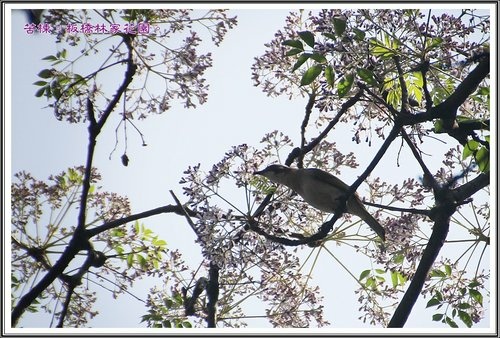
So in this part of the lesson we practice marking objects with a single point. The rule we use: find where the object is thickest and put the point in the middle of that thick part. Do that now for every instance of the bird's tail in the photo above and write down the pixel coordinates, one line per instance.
(374, 224)
(356, 207)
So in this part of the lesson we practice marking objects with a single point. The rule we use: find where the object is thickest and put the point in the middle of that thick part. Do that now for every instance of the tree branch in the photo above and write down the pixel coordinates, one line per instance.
(402, 84)
(468, 189)
(116, 223)
(300, 152)
(343, 109)
(327, 226)
(436, 241)
(447, 109)
(80, 238)
(309, 107)
(75, 280)
(212, 295)
(446, 202)
(424, 212)
(429, 179)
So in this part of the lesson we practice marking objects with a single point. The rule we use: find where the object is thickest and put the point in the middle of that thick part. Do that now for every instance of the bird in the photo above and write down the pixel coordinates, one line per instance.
(321, 190)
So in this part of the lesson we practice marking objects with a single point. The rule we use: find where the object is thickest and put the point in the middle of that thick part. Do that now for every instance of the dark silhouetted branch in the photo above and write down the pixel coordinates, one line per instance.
(212, 295)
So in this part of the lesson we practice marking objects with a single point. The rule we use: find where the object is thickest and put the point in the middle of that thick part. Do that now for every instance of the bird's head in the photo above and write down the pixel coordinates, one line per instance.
(276, 173)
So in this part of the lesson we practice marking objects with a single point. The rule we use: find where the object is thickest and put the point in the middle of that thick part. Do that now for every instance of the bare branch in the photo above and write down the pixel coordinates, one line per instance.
(309, 106)
(116, 223)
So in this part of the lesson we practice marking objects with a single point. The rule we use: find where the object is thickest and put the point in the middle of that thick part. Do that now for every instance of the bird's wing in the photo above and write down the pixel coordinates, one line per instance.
(328, 178)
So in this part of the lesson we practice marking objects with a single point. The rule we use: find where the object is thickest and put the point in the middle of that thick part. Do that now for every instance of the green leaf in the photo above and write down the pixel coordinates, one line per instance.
(394, 278)
(364, 274)
(50, 58)
(294, 51)
(293, 43)
(57, 92)
(451, 322)
(474, 284)
(398, 259)
(339, 25)
(262, 184)
(370, 282)
(39, 92)
(45, 74)
(434, 42)
(483, 159)
(447, 269)
(159, 242)
(439, 296)
(318, 58)
(464, 306)
(402, 279)
(432, 302)
(178, 299)
(303, 58)
(344, 85)
(465, 318)
(476, 295)
(367, 76)
(437, 317)
(360, 35)
(469, 148)
(438, 126)
(119, 250)
(330, 75)
(379, 49)
(141, 260)
(311, 74)
(40, 83)
(485, 91)
(437, 273)
(73, 175)
(118, 232)
(308, 38)
(130, 260)
(168, 303)
(330, 36)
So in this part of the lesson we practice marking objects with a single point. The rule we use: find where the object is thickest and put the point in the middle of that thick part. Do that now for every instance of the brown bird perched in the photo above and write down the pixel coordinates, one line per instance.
(321, 190)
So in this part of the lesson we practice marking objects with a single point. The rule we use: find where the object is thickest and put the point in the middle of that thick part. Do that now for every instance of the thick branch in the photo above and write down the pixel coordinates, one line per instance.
(436, 241)
(468, 189)
(448, 108)
(447, 201)
(212, 295)
(58, 268)
(76, 280)
(80, 239)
